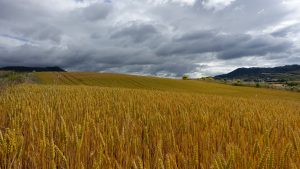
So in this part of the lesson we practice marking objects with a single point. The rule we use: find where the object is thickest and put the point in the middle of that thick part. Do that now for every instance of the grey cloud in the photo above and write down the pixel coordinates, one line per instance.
(163, 69)
(13, 11)
(97, 11)
(28, 55)
(16, 38)
(177, 68)
(133, 36)
(201, 42)
(227, 46)
(40, 32)
(137, 32)
(28, 21)
(283, 32)
(196, 35)
(256, 47)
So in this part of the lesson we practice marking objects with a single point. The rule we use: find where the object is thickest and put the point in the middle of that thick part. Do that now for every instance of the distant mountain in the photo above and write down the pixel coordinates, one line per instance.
(32, 69)
(288, 73)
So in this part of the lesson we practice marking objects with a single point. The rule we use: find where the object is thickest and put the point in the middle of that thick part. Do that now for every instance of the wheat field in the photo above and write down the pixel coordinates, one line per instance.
(142, 123)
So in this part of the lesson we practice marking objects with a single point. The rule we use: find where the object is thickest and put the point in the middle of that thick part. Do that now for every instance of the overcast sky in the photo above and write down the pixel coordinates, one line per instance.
(150, 37)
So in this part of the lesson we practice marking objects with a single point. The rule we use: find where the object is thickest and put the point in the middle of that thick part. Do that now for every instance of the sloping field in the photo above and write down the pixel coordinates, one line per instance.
(46, 126)
(154, 83)
(117, 121)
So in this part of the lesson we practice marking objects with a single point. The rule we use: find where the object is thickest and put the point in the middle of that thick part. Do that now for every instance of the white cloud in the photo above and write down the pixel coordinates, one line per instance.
(181, 2)
(60, 5)
(216, 4)
(8, 42)
(291, 3)
(261, 12)
(188, 2)
(280, 26)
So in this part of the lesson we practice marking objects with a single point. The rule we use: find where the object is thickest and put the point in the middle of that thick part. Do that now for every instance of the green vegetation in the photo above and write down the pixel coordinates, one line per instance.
(293, 84)
(9, 78)
(185, 77)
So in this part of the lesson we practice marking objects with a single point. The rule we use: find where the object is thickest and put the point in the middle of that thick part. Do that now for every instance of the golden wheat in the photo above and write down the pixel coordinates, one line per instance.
(44, 126)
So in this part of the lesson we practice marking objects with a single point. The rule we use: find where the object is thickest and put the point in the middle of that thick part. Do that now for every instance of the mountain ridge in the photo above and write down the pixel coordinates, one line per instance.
(286, 73)
(32, 69)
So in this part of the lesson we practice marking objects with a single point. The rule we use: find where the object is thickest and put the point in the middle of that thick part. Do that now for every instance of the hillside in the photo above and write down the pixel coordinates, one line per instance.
(97, 120)
(285, 73)
(32, 69)
(103, 120)
(154, 83)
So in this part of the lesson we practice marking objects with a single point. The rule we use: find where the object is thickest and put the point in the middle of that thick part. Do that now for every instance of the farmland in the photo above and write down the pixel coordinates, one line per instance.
(91, 120)
(154, 83)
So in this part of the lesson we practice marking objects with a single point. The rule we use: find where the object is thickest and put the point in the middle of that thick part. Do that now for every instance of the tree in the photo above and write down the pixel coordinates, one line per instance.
(185, 77)
(257, 85)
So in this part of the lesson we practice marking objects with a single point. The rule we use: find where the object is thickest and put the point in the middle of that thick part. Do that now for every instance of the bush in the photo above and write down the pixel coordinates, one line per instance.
(292, 84)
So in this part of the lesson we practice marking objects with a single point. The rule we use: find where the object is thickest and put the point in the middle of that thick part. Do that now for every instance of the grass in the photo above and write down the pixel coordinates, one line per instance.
(10, 78)
(89, 120)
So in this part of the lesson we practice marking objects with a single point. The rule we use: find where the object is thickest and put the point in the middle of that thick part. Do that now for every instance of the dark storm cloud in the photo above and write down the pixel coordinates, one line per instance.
(199, 42)
(158, 37)
(40, 32)
(227, 46)
(28, 55)
(258, 46)
(137, 32)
